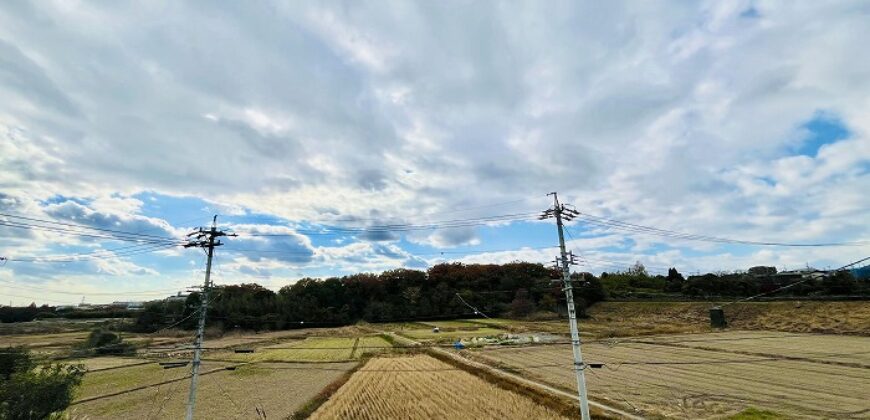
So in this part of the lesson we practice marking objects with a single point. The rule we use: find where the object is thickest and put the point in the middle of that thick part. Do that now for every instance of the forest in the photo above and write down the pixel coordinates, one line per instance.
(453, 290)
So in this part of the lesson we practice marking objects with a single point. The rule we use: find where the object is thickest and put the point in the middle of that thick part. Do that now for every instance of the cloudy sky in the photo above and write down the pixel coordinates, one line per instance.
(314, 120)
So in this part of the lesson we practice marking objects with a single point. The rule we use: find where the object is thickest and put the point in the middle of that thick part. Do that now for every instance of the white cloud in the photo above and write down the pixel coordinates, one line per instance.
(680, 115)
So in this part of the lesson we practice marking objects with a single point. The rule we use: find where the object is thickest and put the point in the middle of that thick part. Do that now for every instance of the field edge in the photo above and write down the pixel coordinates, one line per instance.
(326, 393)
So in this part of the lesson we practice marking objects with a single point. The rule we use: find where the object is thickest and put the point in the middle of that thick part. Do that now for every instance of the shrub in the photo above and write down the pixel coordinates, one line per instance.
(14, 359)
(102, 341)
(31, 393)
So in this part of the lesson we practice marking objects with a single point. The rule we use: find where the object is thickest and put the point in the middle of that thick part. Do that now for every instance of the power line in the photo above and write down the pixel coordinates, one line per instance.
(66, 292)
(206, 239)
(79, 226)
(483, 206)
(621, 225)
(110, 252)
(649, 230)
(445, 224)
(37, 298)
(456, 210)
(476, 311)
(618, 265)
(558, 212)
(145, 249)
(414, 254)
(79, 233)
(778, 289)
(853, 263)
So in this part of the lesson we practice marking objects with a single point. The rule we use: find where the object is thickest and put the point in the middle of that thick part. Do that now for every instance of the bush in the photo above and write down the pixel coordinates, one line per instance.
(102, 341)
(14, 359)
(840, 283)
(97, 314)
(30, 393)
(46, 315)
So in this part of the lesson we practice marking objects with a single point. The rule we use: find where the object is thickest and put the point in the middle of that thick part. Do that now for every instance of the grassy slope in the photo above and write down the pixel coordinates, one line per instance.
(638, 318)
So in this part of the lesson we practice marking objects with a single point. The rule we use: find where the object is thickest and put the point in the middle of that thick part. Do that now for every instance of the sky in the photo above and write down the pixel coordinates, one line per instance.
(741, 120)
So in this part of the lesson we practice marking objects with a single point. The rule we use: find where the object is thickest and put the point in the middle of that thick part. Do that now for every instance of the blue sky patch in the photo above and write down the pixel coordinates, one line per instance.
(750, 13)
(824, 128)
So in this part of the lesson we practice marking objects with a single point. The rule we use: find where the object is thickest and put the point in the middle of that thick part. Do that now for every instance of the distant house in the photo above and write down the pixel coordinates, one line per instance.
(797, 275)
(176, 298)
(129, 305)
(788, 277)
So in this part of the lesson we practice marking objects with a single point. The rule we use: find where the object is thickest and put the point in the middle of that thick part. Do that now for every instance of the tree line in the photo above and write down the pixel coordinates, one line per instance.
(32, 312)
(635, 282)
(515, 289)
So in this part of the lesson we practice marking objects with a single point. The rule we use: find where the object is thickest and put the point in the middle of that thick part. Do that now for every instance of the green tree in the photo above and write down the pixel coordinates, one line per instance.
(522, 305)
(840, 283)
(674, 281)
(30, 393)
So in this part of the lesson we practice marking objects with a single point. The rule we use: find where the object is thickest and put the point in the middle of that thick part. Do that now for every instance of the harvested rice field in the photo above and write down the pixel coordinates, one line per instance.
(450, 335)
(102, 382)
(45, 341)
(313, 349)
(843, 349)
(422, 387)
(103, 363)
(276, 390)
(451, 324)
(687, 382)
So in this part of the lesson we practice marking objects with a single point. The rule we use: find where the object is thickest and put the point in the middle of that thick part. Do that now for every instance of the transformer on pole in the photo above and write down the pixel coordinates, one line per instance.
(560, 212)
(205, 239)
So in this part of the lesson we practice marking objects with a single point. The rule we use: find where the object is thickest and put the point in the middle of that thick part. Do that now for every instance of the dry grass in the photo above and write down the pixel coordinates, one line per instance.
(109, 381)
(102, 363)
(449, 336)
(620, 319)
(312, 349)
(568, 407)
(370, 345)
(823, 348)
(324, 395)
(242, 338)
(660, 380)
(628, 319)
(451, 325)
(420, 386)
(57, 341)
(54, 326)
(278, 390)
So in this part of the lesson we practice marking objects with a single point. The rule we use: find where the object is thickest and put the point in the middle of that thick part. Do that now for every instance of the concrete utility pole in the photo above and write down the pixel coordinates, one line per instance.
(558, 211)
(202, 239)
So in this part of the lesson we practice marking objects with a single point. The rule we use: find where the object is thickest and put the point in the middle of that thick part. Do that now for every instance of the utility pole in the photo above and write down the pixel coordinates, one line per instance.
(205, 239)
(559, 211)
